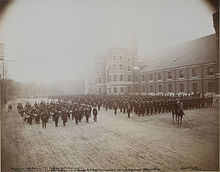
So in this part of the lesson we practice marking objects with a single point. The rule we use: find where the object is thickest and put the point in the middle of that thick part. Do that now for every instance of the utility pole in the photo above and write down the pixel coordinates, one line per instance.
(3, 86)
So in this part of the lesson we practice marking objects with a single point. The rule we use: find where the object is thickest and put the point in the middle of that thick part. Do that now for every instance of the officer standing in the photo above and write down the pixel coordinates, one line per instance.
(95, 113)
(44, 119)
(99, 105)
(87, 114)
(129, 110)
(76, 115)
(56, 118)
(115, 108)
(64, 118)
(124, 107)
(80, 113)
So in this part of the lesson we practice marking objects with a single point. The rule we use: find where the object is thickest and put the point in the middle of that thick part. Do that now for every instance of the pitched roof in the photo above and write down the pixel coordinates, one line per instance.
(201, 50)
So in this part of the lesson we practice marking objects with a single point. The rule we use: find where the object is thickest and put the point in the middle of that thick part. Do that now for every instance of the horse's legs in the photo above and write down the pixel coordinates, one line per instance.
(176, 117)
(181, 117)
(173, 117)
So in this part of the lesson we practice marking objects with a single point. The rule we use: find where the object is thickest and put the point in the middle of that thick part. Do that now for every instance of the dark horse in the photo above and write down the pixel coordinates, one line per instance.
(178, 113)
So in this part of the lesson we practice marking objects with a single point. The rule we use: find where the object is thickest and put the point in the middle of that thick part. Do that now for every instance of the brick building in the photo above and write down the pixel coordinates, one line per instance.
(190, 67)
(186, 68)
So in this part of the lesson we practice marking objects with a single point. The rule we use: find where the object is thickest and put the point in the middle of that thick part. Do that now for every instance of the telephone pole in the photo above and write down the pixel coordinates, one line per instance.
(3, 83)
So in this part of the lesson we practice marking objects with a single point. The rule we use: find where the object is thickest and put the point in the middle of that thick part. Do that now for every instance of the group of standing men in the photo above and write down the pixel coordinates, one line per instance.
(79, 106)
(144, 104)
(55, 110)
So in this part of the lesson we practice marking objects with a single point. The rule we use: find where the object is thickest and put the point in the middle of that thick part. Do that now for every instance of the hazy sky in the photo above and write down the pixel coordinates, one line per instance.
(57, 39)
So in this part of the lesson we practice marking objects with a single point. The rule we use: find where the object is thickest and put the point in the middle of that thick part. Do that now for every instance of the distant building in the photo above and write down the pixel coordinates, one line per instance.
(114, 70)
(186, 68)
(100, 77)
(90, 87)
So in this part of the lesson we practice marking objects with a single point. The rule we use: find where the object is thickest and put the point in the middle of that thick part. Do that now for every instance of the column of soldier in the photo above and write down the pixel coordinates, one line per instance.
(56, 110)
(82, 106)
(144, 105)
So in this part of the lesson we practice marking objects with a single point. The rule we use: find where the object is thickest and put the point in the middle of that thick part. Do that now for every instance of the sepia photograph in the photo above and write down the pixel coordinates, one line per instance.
(109, 85)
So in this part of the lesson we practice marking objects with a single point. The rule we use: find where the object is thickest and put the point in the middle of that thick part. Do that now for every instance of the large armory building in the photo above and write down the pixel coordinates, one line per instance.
(186, 68)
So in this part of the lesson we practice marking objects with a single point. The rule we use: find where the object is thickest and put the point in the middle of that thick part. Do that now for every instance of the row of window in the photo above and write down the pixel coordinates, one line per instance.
(115, 78)
(120, 58)
(122, 78)
(120, 67)
(160, 88)
(118, 78)
(181, 88)
(115, 90)
(210, 71)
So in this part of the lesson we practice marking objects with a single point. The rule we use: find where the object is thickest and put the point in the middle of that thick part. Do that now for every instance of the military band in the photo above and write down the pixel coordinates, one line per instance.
(55, 111)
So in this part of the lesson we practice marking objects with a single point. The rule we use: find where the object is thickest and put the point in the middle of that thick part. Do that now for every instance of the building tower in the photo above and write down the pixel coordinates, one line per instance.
(119, 69)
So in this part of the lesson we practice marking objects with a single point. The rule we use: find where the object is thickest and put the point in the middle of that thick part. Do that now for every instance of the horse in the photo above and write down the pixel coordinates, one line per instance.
(178, 114)
(174, 115)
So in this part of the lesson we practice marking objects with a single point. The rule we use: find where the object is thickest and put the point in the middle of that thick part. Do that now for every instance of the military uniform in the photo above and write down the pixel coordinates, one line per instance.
(95, 113)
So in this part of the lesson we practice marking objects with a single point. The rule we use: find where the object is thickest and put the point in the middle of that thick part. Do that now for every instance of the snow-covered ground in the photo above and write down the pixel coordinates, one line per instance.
(114, 142)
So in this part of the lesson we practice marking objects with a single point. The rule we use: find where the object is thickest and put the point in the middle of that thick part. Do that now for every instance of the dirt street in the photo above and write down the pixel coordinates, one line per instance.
(114, 142)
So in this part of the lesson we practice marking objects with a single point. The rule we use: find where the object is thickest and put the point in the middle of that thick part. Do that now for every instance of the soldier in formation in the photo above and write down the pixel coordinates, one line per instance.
(80, 106)
(43, 112)
(143, 105)
(95, 113)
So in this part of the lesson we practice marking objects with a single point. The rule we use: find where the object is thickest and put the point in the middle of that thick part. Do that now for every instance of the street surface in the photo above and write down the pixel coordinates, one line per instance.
(114, 142)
